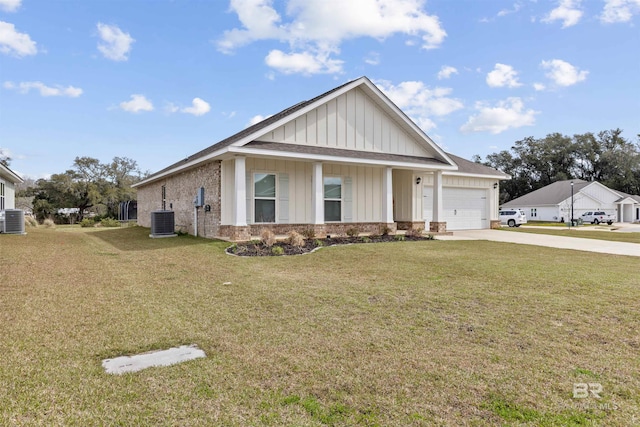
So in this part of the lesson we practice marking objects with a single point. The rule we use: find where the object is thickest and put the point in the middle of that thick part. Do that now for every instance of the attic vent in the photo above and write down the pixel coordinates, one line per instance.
(162, 224)
(13, 222)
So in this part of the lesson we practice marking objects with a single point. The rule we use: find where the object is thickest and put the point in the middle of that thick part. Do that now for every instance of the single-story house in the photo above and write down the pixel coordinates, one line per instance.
(347, 158)
(553, 202)
(8, 181)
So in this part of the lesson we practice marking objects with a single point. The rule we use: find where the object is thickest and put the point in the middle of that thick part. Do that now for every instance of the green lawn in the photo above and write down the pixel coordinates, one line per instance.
(586, 234)
(391, 334)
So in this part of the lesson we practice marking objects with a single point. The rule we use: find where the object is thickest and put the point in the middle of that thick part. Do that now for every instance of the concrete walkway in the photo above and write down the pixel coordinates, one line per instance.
(561, 242)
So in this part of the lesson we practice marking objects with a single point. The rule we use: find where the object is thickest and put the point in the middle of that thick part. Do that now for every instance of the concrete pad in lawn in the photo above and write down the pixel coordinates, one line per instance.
(123, 364)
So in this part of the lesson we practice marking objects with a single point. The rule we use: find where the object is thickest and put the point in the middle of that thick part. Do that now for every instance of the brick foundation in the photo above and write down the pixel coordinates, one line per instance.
(235, 233)
(437, 227)
(495, 224)
(410, 225)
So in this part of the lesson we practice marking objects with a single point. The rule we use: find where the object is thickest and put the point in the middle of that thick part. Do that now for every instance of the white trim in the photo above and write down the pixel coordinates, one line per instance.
(253, 173)
(335, 159)
(16, 179)
(317, 194)
(476, 175)
(181, 167)
(240, 213)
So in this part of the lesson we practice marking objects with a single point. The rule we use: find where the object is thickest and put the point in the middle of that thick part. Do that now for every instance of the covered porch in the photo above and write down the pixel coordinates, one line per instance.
(329, 196)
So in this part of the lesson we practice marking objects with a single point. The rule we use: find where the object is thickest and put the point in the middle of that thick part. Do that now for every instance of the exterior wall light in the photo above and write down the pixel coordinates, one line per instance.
(418, 180)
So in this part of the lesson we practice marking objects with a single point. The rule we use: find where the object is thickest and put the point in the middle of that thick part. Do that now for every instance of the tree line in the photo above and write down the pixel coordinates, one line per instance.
(89, 186)
(606, 157)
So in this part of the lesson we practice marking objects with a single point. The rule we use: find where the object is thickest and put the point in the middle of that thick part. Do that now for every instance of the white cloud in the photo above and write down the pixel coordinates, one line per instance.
(57, 90)
(10, 5)
(15, 43)
(116, 44)
(567, 11)
(539, 86)
(516, 7)
(373, 58)
(199, 107)
(257, 119)
(420, 102)
(138, 103)
(446, 71)
(303, 63)
(507, 114)
(619, 11)
(503, 75)
(562, 73)
(315, 29)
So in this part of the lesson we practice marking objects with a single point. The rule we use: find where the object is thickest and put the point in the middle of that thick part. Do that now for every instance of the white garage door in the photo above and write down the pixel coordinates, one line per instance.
(463, 208)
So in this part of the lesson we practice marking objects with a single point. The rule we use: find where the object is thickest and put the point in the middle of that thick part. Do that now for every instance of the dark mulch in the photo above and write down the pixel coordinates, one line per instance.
(257, 248)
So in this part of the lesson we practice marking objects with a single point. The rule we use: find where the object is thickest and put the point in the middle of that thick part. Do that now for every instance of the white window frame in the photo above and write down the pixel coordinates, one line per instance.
(254, 198)
(341, 199)
(2, 195)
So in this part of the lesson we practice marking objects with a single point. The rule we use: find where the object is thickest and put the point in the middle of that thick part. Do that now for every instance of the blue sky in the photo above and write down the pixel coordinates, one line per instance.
(159, 80)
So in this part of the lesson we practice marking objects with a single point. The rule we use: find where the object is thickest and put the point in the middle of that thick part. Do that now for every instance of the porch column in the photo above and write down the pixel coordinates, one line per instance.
(387, 196)
(437, 224)
(317, 194)
(240, 198)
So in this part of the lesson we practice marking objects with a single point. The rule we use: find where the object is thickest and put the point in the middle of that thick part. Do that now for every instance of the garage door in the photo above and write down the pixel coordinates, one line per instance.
(463, 208)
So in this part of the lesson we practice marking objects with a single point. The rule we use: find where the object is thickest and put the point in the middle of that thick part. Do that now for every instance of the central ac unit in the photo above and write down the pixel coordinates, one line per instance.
(13, 222)
(162, 224)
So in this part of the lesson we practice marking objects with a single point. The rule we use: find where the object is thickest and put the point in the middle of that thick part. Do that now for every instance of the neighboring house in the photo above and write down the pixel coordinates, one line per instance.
(553, 202)
(8, 181)
(347, 158)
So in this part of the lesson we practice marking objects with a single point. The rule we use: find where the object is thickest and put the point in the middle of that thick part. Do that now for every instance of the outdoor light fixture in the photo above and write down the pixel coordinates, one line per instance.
(418, 180)
(495, 185)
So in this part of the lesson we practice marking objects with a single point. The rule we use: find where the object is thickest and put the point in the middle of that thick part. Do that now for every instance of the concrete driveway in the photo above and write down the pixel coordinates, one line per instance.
(561, 242)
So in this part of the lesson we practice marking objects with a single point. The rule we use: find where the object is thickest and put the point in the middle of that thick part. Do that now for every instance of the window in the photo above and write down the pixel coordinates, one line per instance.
(264, 195)
(534, 212)
(164, 198)
(332, 199)
(1, 196)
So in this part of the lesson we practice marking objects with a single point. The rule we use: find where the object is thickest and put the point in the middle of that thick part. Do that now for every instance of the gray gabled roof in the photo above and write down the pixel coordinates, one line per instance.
(245, 136)
(468, 167)
(552, 194)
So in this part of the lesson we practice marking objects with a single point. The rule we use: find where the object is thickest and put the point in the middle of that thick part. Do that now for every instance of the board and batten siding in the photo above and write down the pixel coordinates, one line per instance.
(352, 121)
(602, 194)
(365, 185)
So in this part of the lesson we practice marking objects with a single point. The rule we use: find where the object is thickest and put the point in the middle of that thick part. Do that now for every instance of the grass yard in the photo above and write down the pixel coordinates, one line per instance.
(585, 234)
(392, 334)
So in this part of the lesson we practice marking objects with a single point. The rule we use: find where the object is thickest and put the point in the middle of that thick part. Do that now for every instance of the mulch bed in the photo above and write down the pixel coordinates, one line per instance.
(257, 248)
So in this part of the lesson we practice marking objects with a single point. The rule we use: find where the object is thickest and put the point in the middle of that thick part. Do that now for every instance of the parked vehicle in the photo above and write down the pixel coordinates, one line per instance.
(597, 217)
(513, 217)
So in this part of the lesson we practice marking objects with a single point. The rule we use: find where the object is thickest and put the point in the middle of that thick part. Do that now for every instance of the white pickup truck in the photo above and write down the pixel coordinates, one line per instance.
(596, 217)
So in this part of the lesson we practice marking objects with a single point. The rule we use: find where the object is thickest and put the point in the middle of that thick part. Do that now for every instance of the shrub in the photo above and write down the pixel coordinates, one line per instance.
(30, 221)
(267, 237)
(384, 230)
(414, 232)
(48, 223)
(399, 237)
(318, 243)
(87, 222)
(277, 250)
(110, 222)
(430, 237)
(309, 233)
(365, 239)
(353, 232)
(295, 239)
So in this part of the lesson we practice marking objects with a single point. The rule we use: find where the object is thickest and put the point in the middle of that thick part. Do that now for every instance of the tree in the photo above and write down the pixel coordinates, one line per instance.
(87, 185)
(5, 159)
(534, 163)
